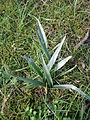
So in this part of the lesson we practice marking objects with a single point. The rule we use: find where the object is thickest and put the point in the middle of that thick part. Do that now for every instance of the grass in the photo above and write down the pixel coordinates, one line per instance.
(18, 38)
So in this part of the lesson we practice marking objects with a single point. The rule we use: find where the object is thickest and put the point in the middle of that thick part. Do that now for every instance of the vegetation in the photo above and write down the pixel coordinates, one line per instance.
(18, 37)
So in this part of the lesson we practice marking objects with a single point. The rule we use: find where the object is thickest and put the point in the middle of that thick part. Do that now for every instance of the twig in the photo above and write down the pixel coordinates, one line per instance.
(82, 41)
(5, 99)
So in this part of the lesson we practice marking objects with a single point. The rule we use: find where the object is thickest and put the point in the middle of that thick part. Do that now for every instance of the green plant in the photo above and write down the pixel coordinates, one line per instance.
(45, 78)
(75, 4)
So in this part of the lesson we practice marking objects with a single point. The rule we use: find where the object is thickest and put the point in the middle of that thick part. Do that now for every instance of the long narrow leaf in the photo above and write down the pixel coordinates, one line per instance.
(42, 33)
(47, 73)
(35, 82)
(67, 86)
(62, 63)
(64, 73)
(43, 46)
(55, 55)
(56, 46)
(36, 68)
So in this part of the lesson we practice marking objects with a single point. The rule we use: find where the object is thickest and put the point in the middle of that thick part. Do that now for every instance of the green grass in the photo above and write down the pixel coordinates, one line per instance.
(18, 38)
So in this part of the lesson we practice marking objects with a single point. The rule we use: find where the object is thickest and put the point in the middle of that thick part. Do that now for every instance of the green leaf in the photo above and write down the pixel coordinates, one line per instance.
(56, 46)
(42, 33)
(64, 73)
(43, 46)
(67, 86)
(42, 38)
(50, 108)
(36, 68)
(62, 63)
(35, 82)
(75, 4)
(47, 73)
(55, 55)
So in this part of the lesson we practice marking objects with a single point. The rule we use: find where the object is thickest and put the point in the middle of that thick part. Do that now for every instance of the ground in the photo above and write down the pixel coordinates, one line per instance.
(18, 38)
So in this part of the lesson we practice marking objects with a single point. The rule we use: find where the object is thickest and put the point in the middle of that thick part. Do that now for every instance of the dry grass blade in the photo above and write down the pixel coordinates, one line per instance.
(82, 41)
